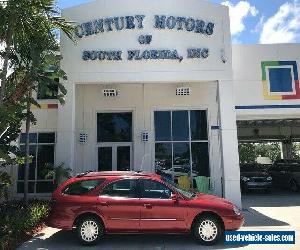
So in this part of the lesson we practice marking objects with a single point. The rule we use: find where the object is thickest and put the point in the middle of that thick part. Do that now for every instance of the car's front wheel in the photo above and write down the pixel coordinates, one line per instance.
(90, 230)
(207, 230)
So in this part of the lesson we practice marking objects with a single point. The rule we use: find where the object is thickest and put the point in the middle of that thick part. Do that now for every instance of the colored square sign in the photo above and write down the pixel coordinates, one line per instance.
(280, 80)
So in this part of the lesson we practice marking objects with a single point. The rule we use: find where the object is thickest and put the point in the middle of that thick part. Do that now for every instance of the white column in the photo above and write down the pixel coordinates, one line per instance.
(65, 147)
(229, 143)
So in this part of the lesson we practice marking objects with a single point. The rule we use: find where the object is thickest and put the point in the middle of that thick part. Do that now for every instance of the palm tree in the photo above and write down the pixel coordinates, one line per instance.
(28, 31)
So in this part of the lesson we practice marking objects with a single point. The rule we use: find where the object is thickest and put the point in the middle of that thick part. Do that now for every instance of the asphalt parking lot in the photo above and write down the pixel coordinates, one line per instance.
(263, 212)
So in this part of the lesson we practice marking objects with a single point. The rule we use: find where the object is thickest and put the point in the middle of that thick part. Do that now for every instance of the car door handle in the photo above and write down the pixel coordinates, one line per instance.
(104, 204)
(148, 206)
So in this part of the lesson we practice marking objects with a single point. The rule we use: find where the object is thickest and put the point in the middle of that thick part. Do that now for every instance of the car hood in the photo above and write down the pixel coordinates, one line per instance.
(212, 199)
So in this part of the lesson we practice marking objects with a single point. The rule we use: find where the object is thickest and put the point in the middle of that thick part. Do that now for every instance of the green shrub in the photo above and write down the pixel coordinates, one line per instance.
(16, 220)
(5, 183)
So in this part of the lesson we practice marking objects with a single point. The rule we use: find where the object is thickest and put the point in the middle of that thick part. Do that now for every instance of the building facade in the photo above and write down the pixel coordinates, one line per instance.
(157, 86)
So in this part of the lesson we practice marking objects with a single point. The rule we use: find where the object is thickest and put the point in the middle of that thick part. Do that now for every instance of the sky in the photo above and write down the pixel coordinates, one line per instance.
(253, 21)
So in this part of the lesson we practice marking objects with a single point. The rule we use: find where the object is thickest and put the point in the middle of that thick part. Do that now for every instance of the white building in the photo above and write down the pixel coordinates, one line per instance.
(158, 86)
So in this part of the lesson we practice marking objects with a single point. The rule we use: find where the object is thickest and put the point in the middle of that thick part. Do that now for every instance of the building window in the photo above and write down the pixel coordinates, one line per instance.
(114, 127)
(181, 143)
(49, 92)
(41, 149)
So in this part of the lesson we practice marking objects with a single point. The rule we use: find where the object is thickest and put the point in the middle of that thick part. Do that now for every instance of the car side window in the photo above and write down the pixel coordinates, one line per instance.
(122, 188)
(81, 187)
(154, 190)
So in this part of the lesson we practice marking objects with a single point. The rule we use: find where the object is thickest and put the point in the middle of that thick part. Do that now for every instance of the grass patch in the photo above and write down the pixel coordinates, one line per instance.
(18, 223)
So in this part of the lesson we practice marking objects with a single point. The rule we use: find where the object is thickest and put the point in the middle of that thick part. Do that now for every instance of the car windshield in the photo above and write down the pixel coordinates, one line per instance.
(187, 194)
(253, 168)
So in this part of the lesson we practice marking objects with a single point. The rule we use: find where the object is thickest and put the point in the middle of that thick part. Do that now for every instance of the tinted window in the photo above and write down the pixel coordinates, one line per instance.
(20, 187)
(200, 158)
(41, 150)
(46, 137)
(122, 188)
(48, 91)
(82, 187)
(123, 159)
(198, 125)
(32, 138)
(162, 120)
(45, 156)
(32, 153)
(163, 156)
(181, 154)
(180, 129)
(105, 158)
(154, 190)
(114, 127)
(44, 187)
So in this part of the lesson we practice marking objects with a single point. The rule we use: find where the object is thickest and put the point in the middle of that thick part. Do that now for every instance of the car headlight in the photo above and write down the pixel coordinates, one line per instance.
(269, 178)
(245, 179)
(236, 210)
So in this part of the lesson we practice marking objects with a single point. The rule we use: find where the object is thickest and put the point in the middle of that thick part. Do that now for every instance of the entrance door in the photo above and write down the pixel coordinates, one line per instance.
(115, 157)
(114, 137)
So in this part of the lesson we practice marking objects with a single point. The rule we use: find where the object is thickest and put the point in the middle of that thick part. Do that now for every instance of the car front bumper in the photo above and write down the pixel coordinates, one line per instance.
(232, 223)
(251, 185)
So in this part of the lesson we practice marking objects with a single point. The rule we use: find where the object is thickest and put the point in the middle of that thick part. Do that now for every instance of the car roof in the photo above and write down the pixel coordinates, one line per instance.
(116, 173)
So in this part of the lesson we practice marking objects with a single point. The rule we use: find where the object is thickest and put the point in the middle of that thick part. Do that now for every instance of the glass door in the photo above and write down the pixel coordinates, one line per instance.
(114, 141)
(115, 157)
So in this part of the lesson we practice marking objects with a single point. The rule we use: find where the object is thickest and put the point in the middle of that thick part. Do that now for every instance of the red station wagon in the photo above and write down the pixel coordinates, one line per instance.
(96, 203)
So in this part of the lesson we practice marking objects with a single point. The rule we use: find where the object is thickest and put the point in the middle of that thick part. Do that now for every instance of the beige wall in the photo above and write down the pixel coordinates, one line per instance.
(142, 100)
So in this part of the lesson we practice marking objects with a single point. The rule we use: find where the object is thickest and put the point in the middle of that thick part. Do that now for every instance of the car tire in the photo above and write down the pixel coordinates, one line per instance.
(294, 187)
(207, 230)
(90, 230)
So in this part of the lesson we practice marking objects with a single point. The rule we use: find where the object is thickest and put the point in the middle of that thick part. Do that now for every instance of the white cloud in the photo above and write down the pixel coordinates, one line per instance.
(259, 25)
(284, 26)
(238, 13)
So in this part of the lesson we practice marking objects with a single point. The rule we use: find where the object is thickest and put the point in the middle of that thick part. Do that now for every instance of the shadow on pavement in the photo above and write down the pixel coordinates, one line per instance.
(67, 240)
(255, 219)
(277, 198)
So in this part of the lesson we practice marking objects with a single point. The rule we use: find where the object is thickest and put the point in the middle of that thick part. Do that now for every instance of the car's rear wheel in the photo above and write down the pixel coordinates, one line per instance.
(90, 230)
(207, 230)
(294, 186)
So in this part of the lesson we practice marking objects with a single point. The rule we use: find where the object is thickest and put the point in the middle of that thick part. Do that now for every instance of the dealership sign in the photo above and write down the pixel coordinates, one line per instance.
(136, 22)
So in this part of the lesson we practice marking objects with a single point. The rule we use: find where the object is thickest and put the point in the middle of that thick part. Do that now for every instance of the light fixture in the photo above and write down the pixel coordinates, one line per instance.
(144, 136)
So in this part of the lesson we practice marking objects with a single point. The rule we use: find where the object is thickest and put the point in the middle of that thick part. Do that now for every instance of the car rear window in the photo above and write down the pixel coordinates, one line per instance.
(82, 187)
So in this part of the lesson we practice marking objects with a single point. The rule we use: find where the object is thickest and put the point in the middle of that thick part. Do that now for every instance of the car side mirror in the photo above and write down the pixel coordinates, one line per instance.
(174, 196)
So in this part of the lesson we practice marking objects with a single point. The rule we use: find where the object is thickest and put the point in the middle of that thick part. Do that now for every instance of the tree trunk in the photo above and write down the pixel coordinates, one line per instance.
(5, 66)
(26, 170)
